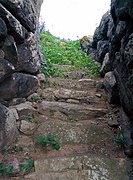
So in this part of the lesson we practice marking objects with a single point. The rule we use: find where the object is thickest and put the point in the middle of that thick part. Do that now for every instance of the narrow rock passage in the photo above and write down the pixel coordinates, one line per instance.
(76, 109)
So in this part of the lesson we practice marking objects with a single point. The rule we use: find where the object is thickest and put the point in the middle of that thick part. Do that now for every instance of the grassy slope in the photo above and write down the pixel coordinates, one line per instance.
(66, 52)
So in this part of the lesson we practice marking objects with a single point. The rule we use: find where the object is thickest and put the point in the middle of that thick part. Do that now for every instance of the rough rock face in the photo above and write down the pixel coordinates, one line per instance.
(101, 31)
(111, 88)
(19, 58)
(8, 128)
(19, 46)
(85, 43)
(116, 30)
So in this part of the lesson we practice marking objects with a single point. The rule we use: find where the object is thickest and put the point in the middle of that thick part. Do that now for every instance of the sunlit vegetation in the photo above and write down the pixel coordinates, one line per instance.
(64, 52)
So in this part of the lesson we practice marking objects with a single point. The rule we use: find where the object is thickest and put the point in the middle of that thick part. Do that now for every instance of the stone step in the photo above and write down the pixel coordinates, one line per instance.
(74, 75)
(71, 112)
(74, 96)
(85, 167)
(76, 133)
(77, 84)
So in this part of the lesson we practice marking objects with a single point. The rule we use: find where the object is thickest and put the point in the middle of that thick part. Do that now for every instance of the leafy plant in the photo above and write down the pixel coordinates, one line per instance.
(42, 139)
(48, 69)
(4, 169)
(15, 148)
(36, 98)
(119, 137)
(4, 148)
(26, 164)
(48, 140)
(30, 117)
(18, 148)
(66, 52)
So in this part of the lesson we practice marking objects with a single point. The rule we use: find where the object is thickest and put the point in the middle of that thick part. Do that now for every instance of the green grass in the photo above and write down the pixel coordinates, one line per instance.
(64, 52)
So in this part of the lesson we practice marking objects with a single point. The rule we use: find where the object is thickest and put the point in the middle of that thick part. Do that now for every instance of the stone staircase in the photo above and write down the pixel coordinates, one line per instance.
(76, 110)
(82, 167)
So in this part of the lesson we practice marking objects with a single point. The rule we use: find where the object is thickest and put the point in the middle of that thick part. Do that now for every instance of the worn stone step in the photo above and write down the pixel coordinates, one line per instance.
(77, 84)
(76, 133)
(74, 96)
(71, 112)
(74, 74)
(85, 167)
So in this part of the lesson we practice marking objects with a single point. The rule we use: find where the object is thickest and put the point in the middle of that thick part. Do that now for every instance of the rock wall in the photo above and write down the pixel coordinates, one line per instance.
(19, 58)
(113, 46)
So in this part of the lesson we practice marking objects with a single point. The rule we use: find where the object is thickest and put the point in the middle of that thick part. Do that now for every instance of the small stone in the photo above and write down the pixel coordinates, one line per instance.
(86, 80)
(17, 101)
(41, 77)
(25, 109)
(31, 176)
(98, 95)
(15, 113)
(74, 75)
(15, 164)
(112, 122)
(27, 127)
(73, 101)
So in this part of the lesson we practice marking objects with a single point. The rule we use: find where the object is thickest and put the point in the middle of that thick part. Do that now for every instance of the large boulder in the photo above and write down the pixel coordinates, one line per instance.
(29, 56)
(23, 11)
(18, 85)
(8, 126)
(102, 49)
(111, 88)
(14, 27)
(6, 69)
(106, 65)
(10, 50)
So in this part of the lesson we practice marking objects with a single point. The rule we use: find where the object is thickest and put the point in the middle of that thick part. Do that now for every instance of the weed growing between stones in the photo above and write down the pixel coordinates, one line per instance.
(36, 98)
(4, 148)
(26, 164)
(119, 137)
(48, 69)
(7, 168)
(48, 140)
(18, 148)
(31, 118)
